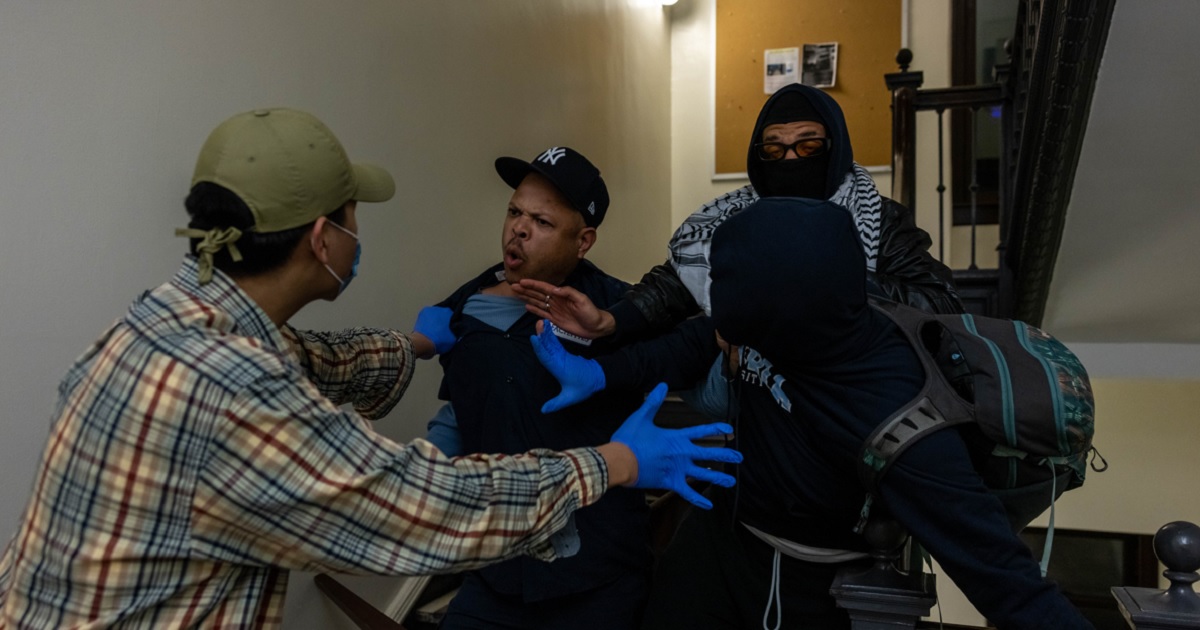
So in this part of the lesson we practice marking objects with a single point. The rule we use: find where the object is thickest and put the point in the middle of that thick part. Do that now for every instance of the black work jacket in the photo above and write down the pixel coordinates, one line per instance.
(497, 386)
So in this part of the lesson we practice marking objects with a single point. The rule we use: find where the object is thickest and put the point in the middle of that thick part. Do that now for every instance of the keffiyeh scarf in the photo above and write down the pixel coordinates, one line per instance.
(689, 247)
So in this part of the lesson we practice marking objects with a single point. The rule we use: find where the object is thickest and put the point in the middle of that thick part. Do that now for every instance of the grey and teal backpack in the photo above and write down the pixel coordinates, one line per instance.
(1025, 396)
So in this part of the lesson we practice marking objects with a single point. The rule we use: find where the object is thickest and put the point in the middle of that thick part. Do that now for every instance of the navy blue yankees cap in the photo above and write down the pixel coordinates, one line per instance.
(574, 176)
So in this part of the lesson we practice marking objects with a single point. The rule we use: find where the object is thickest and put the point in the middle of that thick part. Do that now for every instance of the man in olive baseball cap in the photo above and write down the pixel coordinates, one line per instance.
(261, 179)
(288, 167)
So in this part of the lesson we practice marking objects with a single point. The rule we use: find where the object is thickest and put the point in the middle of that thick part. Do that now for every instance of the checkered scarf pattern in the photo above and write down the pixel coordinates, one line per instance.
(689, 247)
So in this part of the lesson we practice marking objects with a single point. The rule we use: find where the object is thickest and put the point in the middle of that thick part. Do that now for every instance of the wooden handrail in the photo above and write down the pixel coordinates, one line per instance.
(933, 99)
(360, 611)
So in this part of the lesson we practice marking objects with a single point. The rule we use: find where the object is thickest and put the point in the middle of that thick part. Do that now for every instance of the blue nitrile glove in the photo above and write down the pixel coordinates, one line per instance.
(667, 457)
(434, 323)
(579, 377)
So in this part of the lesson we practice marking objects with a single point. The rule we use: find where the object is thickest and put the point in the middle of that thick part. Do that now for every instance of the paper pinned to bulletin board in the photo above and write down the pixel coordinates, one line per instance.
(781, 66)
(820, 65)
(867, 33)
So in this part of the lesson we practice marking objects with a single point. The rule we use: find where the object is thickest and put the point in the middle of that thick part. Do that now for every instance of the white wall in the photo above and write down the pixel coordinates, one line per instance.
(106, 104)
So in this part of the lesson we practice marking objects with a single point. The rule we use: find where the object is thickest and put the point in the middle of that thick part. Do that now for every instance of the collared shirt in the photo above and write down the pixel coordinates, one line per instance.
(199, 452)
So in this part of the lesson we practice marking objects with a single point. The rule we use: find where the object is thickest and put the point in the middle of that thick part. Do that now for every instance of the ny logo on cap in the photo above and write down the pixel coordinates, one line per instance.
(552, 155)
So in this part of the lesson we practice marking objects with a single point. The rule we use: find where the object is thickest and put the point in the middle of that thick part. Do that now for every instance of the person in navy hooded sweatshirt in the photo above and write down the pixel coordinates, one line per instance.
(815, 370)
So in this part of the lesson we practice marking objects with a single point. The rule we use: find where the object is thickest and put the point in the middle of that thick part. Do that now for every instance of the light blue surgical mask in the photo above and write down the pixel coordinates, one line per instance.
(345, 282)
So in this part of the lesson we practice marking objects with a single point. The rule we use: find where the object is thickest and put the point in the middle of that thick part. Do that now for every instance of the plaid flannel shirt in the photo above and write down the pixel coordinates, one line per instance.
(198, 452)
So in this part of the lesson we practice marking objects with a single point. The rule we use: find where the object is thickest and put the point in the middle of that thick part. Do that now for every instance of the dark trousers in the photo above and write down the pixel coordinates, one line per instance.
(717, 575)
(614, 606)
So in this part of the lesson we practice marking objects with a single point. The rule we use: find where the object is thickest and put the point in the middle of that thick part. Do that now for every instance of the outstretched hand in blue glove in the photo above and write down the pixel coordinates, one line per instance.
(579, 377)
(434, 323)
(667, 457)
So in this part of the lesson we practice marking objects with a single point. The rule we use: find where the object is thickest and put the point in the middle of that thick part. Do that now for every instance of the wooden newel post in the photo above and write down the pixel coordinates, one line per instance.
(882, 597)
(1177, 546)
(903, 86)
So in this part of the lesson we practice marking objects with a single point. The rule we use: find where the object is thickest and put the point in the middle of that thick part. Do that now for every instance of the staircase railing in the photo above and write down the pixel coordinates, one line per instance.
(981, 290)
(1045, 93)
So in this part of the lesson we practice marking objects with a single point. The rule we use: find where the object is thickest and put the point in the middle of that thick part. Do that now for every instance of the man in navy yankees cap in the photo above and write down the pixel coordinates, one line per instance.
(574, 176)
(495, 388)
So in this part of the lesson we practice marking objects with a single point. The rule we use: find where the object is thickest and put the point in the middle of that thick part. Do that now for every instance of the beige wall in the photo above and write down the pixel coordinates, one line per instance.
(693, 61)
(1147, 431)
(106, 104)
(929, 23)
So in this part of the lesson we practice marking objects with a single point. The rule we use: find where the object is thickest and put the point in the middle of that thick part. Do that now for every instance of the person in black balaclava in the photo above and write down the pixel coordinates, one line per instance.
(817, 369)
(793, 158)
(799, 147)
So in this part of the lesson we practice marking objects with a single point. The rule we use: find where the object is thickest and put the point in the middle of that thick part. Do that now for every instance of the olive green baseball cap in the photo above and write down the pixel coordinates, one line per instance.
(288, 167)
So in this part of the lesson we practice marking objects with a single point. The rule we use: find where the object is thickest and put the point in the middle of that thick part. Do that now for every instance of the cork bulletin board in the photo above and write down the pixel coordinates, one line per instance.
(868, 36)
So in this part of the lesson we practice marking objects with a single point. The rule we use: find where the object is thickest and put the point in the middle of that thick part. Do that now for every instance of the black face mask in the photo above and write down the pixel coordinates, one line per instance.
(800, 177)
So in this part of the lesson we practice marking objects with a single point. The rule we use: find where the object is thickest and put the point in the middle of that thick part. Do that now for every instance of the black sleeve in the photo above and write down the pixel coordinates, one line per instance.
(680, 358)
(904, 270)
(655, 304)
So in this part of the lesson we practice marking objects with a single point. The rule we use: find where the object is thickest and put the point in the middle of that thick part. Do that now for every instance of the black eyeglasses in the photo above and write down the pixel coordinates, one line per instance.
(804, 147)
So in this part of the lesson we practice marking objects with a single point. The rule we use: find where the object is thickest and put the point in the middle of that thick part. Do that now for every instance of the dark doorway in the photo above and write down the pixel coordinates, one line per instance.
(979, 29)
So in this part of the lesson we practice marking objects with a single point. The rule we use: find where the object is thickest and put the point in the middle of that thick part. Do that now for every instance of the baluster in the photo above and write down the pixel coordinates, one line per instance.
(1177, 546)
(941, 188)
(974, 180)
(1008, 144)
(903, 86)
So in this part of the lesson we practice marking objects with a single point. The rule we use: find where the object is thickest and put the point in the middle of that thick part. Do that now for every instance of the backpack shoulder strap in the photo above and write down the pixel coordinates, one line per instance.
(935, 407)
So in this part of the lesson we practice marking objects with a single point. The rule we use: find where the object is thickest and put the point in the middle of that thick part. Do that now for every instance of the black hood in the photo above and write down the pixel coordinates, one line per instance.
(841, 156)
(789, 280)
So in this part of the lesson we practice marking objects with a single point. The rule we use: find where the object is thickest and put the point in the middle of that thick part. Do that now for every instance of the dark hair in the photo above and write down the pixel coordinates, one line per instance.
(213, 206)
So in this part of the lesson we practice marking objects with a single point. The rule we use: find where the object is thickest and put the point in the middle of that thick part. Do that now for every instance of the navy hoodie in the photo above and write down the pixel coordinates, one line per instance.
(822, 368)
(824, 371)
